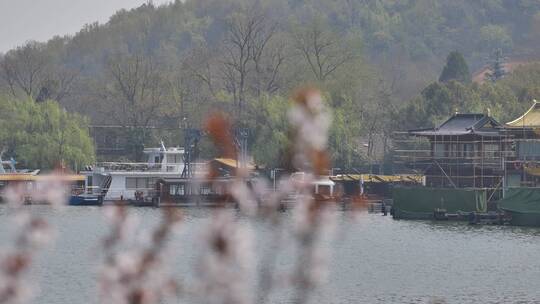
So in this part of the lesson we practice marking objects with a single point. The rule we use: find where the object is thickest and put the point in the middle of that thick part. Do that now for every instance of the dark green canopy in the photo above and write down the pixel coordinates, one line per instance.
(523, 204)
(421, 202)
(524, 200)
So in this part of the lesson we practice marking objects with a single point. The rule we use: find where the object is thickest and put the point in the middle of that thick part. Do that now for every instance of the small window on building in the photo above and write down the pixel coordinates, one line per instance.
(468, 150)
(491, 150)
(438, 150)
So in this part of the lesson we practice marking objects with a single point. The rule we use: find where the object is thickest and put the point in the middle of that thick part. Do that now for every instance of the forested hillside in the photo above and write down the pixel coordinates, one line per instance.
(171, 65)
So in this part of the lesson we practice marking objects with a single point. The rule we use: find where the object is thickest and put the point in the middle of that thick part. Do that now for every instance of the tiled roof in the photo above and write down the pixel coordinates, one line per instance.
(461, 124)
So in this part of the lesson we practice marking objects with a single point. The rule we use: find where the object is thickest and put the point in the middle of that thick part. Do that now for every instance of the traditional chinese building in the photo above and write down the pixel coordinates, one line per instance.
(465, 151)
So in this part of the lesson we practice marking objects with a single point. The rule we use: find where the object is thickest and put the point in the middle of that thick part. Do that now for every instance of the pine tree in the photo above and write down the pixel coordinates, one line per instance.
(496, 68)
(456, 68)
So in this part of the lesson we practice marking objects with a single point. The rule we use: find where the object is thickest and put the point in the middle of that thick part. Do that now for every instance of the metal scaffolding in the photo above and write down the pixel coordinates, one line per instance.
(466, 162)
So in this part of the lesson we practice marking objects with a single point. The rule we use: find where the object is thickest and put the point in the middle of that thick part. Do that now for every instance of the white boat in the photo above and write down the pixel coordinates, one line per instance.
(129, 181)
(323, 187)
(8, 167)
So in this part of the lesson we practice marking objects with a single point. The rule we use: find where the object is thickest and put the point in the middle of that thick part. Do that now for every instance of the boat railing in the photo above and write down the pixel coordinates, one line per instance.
(124, 193)
(150, 167)
(131, 166)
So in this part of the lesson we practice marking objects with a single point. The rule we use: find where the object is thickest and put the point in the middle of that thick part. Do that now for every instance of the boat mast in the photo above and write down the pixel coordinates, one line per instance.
(191, 143)
(2, 171)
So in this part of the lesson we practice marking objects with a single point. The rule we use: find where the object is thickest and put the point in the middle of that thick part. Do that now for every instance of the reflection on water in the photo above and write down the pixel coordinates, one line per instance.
(375, 259)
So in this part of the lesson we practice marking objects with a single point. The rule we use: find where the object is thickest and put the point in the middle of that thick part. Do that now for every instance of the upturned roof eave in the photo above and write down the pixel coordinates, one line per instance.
(520, 121)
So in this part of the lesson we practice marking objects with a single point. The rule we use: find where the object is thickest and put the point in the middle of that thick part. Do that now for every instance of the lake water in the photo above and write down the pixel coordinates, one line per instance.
(375, 259)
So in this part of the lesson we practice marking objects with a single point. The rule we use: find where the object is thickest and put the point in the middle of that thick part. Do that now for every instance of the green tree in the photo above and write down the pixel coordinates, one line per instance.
(494, 36)
(43, 135)
(456, 68)
(270, 130)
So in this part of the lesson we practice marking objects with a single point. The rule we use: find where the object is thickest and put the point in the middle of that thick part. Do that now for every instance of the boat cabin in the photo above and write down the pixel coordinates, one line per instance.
(117, 181)
(322, 186)
(192, 192)
(32, 182)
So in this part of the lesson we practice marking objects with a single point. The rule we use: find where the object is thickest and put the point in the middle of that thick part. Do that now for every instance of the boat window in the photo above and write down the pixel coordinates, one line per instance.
(152, 182)
(131, 183)
(140, 182)
(205, 190)
(177, 190)
(324, 190)
(173, 189)
(174, 159)
(181, 190)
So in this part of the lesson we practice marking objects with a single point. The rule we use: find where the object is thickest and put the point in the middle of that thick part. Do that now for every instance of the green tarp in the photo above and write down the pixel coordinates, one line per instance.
(421, 202)
(526, 200)
(523, 204)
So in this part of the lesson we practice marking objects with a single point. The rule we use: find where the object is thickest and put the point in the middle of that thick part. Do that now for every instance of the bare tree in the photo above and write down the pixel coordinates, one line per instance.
(136, 96)
(136, 90)
(267, 55)
(24, 69)
(251, 60)
(379, 128)
(191, 86)
(323, 51)
(201, 64)
(30, 71)
(237, 47)
(58, 84)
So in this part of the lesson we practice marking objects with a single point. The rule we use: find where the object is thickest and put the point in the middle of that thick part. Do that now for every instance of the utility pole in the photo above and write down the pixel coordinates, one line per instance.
(242, 135)
(191, 145)
(274, 176)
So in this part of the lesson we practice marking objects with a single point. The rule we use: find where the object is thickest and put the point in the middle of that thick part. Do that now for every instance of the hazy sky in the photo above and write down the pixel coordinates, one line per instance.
(23, 20)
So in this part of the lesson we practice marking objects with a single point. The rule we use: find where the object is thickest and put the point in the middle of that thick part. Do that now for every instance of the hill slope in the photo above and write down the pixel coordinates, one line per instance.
(157, 66)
